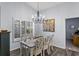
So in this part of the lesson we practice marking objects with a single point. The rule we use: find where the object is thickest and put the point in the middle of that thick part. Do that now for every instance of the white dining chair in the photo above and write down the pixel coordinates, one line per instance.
(50, 43)
(25, 38)
(47, 44)
(39, 46)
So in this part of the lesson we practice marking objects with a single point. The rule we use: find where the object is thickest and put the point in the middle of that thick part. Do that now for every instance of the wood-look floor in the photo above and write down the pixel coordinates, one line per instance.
(56, 52)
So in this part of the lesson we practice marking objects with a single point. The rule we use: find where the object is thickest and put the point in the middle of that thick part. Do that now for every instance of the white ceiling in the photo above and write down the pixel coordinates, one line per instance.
(43, 5)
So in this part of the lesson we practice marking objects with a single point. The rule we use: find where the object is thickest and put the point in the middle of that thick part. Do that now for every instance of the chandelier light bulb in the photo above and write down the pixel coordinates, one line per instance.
(32, 16)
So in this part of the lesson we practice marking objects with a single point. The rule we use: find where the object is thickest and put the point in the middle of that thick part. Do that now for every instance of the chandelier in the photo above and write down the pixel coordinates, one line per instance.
(38, 18)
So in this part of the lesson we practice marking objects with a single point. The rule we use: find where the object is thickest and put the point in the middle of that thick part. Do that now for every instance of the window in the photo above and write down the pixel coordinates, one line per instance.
(21, 29)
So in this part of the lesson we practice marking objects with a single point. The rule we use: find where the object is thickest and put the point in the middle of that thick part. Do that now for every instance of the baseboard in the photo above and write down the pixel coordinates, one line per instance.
(14, 49)
(59, 47)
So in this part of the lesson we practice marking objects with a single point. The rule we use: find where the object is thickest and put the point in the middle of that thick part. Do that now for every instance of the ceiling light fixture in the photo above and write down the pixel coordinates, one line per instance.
(38, 18)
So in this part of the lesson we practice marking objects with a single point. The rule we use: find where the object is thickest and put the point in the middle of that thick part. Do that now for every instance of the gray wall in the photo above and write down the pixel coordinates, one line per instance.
(72, 24)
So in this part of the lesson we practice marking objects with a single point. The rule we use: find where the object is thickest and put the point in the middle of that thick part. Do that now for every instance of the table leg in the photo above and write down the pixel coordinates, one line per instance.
(20, 49)
(43, 53)
(31, 51)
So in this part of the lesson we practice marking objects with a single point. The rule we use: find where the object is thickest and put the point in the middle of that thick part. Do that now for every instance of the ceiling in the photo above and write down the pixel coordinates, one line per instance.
(42, 5)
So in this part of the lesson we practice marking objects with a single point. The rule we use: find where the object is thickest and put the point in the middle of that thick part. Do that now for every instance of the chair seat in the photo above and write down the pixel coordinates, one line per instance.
(45, 47)
(36, 52)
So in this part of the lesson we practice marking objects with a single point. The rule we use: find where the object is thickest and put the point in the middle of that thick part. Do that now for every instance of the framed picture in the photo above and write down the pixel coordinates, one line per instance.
(49, 25)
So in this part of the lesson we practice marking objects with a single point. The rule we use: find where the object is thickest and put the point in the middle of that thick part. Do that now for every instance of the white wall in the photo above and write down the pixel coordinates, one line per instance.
(60, 13)
(22, 11)
(17, 10)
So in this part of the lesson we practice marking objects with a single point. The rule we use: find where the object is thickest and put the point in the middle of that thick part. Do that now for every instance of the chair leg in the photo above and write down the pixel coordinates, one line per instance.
(52, 48)
(41, 53)
(44, 52)
(68, 52)
(48, 50)
(20, 50)
(31, 51)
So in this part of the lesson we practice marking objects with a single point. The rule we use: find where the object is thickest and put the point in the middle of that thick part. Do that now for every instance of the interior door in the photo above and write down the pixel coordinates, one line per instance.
(72, 24)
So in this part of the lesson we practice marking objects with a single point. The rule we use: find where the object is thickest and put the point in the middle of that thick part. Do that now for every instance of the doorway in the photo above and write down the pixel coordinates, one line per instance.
(72, 25)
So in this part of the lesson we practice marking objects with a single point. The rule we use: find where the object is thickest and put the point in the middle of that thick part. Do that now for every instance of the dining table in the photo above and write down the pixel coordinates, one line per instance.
(29, 43)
